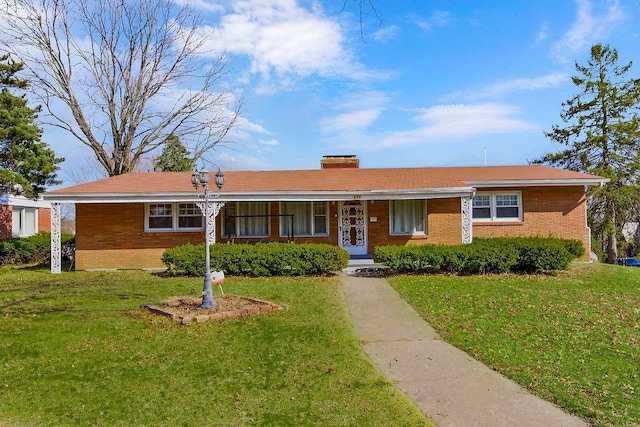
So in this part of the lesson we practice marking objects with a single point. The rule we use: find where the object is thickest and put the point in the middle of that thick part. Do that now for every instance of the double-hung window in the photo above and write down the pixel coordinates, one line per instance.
(173, 217)
(246, 219)
(497, 206)
(309, 219)
(25, 221)
(408, 217)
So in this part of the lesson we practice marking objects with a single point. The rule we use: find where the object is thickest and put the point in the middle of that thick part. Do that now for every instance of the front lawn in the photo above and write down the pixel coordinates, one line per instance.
(76, 349)
(573, 338)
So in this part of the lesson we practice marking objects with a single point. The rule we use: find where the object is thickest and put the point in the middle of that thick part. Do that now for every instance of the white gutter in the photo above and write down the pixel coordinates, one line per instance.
(537, 182)
(22, 201)
(427, 193)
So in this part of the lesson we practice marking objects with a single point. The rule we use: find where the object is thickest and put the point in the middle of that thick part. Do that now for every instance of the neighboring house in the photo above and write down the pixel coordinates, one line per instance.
(22, 217)
(128, 221)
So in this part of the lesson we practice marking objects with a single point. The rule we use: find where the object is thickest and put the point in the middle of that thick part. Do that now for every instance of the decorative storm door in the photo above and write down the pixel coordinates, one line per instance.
(353, 227)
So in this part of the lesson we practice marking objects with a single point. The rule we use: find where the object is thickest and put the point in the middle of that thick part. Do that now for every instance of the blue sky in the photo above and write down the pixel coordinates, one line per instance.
(433, 84)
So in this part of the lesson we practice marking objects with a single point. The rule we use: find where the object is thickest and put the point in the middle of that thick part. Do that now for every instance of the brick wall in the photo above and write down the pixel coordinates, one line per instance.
(112, 235)
(6, 221)
(557, 211)
(44, 220)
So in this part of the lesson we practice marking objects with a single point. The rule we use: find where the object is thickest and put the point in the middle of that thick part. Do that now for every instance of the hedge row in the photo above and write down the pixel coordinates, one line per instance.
(260, 259)
(483, 256)
(32, 250)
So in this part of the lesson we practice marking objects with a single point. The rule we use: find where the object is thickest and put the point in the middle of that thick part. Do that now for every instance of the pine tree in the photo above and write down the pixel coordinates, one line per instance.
(602, 132)
(24, 158)
(174, 157)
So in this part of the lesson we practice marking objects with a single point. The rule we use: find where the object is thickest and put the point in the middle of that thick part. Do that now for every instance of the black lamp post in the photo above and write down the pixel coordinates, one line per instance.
(201, 179)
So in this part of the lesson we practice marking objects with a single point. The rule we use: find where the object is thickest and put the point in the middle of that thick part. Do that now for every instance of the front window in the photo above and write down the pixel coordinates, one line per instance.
(25, 222)
(160, 216)
(246, 219)
(497, 206)
(173, 217)
(189, 216)
(408, 217)
(309, 218)
(482, 207)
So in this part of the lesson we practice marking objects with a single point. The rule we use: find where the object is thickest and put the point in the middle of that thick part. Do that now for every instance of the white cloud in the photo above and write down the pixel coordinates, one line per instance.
(443, 123)
(246, 124)
(201, 4)
(229, 160)
(505, 87)
(358, 111)
(269, 142)
(459, 121)
(437, 19)
(284, 41)
(543, 34)
(386, 33)
(590, 26)
(350, 121)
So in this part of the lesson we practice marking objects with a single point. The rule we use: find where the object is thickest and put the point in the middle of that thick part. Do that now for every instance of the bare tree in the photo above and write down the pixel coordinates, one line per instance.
(363, 6)
(124, 73)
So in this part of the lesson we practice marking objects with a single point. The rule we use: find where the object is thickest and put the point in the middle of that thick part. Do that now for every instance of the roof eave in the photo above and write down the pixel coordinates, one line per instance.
(260, 196)
(538, 182)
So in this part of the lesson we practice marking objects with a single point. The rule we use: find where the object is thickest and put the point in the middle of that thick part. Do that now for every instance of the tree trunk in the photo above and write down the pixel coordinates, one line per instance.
(612, 241)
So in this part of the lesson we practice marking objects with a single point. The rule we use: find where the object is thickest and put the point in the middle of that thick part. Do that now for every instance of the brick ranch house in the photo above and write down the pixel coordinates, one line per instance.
(128, 221)
(23, 217)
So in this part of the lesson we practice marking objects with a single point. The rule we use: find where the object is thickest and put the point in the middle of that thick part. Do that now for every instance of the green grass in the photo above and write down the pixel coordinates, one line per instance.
(77, 349)
(573, 338)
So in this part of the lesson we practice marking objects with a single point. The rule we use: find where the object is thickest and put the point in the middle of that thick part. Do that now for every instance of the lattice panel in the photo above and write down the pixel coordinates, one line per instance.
(56, 245)
(467, 226)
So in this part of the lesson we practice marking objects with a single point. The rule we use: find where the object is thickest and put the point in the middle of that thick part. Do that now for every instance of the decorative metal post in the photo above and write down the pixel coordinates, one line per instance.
(202, 179)
(467, 215)
(56, 245)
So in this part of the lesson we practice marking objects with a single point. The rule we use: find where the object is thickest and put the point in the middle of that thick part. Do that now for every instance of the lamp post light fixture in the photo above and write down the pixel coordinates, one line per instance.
(201, 179)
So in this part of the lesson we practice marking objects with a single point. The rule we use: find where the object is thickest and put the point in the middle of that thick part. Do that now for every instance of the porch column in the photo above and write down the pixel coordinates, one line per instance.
(467, 227)
(56, 246)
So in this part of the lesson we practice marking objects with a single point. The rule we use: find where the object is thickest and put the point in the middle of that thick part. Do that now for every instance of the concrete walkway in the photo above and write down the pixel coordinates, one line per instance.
(446, 383)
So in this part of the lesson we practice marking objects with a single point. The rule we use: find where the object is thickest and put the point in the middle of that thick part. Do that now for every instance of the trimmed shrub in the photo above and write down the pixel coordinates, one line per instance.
(483, 256)
(260, 259)
(35, 249)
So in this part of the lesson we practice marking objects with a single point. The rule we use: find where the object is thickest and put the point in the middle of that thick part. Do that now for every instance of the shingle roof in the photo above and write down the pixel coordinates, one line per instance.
(331, 180)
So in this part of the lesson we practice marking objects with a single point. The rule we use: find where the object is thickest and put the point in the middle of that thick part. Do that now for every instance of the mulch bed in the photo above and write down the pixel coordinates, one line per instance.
(187, 310)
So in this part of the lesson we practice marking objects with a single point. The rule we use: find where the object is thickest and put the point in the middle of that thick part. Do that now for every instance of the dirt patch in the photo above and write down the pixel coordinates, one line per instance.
(187, 309)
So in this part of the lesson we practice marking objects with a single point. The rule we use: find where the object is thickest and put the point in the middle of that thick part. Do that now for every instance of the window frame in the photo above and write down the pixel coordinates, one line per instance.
(311, 219)
(424, 218)
(21, 230)
(175, 218)
(493, 206)
(236, 232)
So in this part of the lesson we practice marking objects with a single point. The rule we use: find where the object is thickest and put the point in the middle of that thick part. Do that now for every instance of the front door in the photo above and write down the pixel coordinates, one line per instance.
(353, 227)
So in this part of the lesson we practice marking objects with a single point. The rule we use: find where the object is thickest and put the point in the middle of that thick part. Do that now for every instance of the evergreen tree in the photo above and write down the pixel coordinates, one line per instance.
(24, 158)
(602, 132)
(174, 157)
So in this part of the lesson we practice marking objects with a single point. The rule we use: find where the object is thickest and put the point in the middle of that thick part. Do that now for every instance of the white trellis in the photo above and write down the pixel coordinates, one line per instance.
(467, 226)
(56, 245)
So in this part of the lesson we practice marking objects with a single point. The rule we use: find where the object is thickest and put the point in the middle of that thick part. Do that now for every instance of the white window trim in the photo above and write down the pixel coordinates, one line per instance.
(417, 233)
(174, 220)
(493, 208)
(311, 218)
(236, 231)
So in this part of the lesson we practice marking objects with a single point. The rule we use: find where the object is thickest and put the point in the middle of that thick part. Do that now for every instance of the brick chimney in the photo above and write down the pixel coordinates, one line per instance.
(344, 161)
